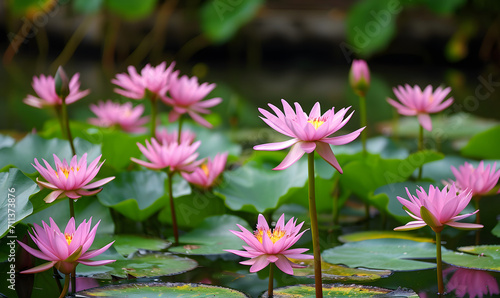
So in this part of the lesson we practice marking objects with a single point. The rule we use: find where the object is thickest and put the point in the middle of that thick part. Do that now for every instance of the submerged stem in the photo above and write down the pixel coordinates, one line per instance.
(314, 227)
(172, 208)
(439, 264)
(420, 148)
(270, 286)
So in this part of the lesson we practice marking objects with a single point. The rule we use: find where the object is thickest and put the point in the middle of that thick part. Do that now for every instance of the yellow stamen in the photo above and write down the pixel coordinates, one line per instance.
(66, 171)
(274, 235)
(316, 122)
(69, 238)
(204, 168)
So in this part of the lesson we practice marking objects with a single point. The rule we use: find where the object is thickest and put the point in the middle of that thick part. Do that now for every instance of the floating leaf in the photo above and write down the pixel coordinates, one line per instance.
(212, 236)
(15, 190)
(390, 254)
(480, 146)
(340, 290)
(147, 290)
(221, 19)
(338, 273)
(368, 235)
(128, 244)
(482, 257)
(149, 265)
(23, 153)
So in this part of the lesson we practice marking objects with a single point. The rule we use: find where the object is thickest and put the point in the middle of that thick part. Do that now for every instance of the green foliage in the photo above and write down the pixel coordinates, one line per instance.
(29, 7)
(15, 191)
(129, 244)
(482, 257)
(481, 146)
(341, 290)
(87, 6)
(131, 9)
(443, 6)
(367, 235)
(221, 19)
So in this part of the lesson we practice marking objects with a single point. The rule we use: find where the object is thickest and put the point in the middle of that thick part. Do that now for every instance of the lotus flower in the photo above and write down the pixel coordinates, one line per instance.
(71, 180)
(437, 209)
(271, 246)
(186, 96)
(155, 79)
(308, 133)
(176, 157)
(473, 282)
(163, 136)
(359, 77)
(206, 175)
(415, 102)
(64, 251)
(480, 180)
(127, 117)
(45, 88)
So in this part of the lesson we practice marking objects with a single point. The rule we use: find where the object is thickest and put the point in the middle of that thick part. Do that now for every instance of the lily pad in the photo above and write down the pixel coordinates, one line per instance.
(480, 145)
(128, 244)
(496, 230)
(146, 290)
(360, 236)
(389, 254)
(212, 236)
(149, 265)
(482, 257)
(340, 290)
(338, 273)
(6, 141)
(15, 191)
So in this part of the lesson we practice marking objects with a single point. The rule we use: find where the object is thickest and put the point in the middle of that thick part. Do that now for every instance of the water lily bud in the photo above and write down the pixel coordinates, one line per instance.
(62, 83)
(359, 77)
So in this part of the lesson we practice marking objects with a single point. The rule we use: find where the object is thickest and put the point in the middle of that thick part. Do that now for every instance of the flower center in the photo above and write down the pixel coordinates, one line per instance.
(316, 122)
(69, 238)
(274, 235)
(66, 171)
(204, 168)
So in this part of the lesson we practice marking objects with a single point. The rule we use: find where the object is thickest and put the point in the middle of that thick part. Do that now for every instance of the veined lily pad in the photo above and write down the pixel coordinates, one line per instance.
(338, 273)
(146, 290)
(149, 265)
(212, 237)
(391, 254)
(482, 257)
(340, 290)
(128, 244)
(360, 236)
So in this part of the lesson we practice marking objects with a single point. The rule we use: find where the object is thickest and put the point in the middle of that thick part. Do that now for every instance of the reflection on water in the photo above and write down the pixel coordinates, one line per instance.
(473, 282)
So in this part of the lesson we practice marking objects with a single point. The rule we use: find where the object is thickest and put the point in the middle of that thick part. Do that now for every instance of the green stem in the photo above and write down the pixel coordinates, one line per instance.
(172, 208)
(179, 130)
(362, 110)
(73, 280)
(58, 110)
(478, 218)
(439, 264)
(270, 286)
(314, 227)
(71, 208)
(154, 110)
(57, 278)
(66, 286)
(64, 112)
(336, 207)
(420, 148)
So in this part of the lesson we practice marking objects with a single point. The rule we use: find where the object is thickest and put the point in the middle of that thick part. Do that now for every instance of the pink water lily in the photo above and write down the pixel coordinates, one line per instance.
(308, 132)
(126, 116)
(155, 79)
(271, 246)
(45, 88)
(64, 250)
(480, 180)
(359, 76)
(415, 102)
(70, 180)
(437, 209)
(206, 175)
(176, 157)
(163, 136)
(186, 96)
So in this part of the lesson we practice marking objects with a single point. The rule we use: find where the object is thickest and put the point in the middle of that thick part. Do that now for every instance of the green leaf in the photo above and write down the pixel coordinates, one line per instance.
(340, 290)
(118, 147)
(481, 145)
(131, 9)
(30, 7)
(6, 141)
(212, 236)
(256, 190)
(221, 19)
(139, 194)
(368, 235)
(496, 230)
(15, 190)
(23, 153)
(389, 254)
(338, 273)
(149, 265)
(128, 244)
(482, 257)
(87, 6)
(153, 289)
(444, 6)
(371, 25)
